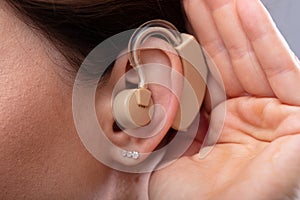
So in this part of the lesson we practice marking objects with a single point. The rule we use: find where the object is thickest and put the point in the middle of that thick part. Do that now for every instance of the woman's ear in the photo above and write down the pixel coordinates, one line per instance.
(158, 56)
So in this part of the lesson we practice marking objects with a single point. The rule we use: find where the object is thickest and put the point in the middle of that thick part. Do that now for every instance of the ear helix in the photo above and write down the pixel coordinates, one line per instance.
(131, 108)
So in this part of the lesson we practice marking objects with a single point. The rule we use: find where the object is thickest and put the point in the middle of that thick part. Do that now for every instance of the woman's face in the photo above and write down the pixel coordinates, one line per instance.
(40, 152)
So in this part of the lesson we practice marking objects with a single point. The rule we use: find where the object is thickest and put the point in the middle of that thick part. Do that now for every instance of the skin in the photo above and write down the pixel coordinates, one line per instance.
(257, 155)
(41, 154)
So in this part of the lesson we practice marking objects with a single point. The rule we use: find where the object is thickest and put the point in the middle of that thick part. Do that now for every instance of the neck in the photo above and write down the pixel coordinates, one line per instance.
(128, 186)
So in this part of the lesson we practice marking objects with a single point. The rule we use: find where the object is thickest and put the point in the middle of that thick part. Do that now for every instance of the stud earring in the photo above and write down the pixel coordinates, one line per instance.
(131, 154)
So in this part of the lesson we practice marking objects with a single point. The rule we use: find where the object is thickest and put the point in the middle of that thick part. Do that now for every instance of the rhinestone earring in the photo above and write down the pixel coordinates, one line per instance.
(131, 154)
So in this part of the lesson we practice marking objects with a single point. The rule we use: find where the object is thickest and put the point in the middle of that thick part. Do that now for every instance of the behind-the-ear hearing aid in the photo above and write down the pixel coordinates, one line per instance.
(131, 108)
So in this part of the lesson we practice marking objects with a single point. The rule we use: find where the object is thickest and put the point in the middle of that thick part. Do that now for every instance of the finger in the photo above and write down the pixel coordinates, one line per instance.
(215, 94)
(278, 62)
(206, 32)
(243, 58)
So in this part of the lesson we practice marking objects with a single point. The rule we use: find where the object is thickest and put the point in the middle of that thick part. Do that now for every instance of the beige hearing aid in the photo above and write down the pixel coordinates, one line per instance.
(131, 108)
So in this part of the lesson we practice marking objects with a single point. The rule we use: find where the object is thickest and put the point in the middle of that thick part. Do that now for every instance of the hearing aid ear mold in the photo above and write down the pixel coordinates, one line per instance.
(131, 108)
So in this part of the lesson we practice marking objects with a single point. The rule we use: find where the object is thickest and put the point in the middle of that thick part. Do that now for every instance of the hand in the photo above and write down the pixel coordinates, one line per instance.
(257, 154)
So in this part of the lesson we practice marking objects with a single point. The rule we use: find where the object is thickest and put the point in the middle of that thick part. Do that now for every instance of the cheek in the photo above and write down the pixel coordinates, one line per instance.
(35, 116)
(29, 108)
(40, 151)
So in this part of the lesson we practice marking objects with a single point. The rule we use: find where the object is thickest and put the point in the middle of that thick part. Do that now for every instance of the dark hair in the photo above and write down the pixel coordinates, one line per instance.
(77, 26)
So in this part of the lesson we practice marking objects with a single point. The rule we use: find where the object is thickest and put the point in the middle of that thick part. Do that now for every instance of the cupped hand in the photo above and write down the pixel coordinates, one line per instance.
(257, 155)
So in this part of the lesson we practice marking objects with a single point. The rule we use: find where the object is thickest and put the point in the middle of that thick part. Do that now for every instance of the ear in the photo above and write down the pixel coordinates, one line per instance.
(144, 139)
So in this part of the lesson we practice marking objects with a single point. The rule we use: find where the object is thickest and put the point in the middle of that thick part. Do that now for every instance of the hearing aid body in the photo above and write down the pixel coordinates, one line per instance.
(131, 108)
(195, 72)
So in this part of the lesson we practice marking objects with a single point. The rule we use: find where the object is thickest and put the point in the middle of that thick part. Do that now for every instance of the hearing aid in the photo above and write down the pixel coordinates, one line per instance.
(132, 107)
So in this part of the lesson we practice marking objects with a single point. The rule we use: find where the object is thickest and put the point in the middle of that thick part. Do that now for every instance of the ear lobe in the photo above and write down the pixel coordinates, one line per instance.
(143, 139)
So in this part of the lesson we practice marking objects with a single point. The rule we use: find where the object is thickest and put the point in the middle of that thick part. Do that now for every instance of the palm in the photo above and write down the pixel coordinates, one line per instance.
(250, 159)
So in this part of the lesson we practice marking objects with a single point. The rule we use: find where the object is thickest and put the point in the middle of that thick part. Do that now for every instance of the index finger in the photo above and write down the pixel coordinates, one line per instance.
(202, 22)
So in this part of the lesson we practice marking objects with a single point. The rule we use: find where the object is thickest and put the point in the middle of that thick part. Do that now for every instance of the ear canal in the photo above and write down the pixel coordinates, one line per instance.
(131, 108)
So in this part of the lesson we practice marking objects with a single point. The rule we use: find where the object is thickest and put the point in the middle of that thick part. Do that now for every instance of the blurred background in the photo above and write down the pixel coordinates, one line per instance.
(286, 14)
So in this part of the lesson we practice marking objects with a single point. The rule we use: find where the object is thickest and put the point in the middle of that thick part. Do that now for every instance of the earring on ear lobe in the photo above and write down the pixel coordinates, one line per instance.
(131, 154)
(131, 108)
